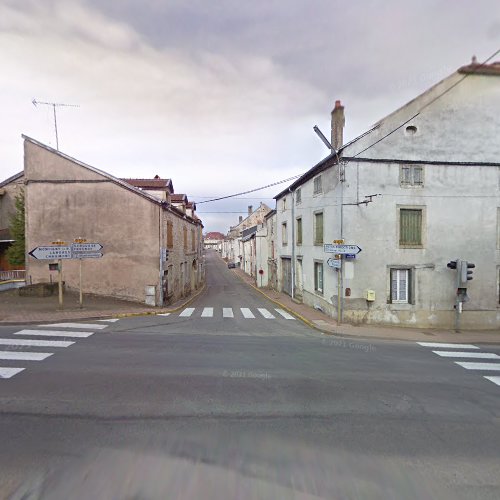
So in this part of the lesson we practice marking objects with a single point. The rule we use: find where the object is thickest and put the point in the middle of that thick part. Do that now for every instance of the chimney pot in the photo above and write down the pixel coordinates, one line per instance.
(241, 219)
(250, 209)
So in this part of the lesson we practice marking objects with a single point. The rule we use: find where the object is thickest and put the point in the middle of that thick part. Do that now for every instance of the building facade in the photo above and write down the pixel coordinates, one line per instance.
(418, 190)
(67, 199)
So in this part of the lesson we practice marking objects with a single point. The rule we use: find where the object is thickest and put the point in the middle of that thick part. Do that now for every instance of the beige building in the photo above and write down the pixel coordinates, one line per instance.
(133, 219)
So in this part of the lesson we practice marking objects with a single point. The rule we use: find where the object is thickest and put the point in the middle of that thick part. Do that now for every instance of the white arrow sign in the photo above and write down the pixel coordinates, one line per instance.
(86, 247)
(52, 252)
(335, 263)
(87, 255)
(341, 249)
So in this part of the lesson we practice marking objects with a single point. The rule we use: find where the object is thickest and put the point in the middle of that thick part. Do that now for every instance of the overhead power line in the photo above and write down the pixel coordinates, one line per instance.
(250, 190)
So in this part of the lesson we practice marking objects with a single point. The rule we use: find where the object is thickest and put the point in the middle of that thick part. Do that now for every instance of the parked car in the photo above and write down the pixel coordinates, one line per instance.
(231, 265)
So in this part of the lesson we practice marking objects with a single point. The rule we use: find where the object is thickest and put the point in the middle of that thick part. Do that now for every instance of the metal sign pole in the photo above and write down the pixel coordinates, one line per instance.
(60, 284)
(81, 292)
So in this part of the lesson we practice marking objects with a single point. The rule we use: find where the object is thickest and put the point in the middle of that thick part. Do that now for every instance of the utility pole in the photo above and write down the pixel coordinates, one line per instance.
(54, 105)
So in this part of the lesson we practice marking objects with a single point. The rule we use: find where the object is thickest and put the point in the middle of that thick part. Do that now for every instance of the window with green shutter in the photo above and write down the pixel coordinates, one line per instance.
(299, 231)
(410, 227)
(318, 228)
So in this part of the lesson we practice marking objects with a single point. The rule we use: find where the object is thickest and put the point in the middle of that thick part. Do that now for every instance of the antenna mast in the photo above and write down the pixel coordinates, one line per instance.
(54, 105)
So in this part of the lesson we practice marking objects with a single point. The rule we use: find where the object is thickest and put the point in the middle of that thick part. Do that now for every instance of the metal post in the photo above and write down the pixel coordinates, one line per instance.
(59, 262)
(81, 293)
(339, 293)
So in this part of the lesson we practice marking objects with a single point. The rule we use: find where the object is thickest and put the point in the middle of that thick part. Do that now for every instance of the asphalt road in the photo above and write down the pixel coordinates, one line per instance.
(223, 400)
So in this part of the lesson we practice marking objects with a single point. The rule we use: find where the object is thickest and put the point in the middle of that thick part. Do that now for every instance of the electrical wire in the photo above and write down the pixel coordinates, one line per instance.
(250, 190)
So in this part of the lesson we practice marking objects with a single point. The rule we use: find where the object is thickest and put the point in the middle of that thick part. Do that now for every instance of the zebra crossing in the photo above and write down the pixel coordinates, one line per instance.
(468, 356)
(15, 349)
(231, 313)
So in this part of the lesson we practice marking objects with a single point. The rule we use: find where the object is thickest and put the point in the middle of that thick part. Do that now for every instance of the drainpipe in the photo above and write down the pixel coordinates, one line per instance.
(293, 243)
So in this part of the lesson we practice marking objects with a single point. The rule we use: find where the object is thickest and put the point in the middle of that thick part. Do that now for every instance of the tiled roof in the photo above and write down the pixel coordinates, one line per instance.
(485, 69)
(178, 198)
(153, 184)
(214, 235)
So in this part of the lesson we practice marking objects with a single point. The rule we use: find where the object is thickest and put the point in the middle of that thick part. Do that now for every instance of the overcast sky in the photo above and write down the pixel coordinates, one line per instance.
(220, 95)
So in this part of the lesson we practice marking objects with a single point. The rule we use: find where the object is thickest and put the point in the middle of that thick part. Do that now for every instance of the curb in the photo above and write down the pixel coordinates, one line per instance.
(110, 315)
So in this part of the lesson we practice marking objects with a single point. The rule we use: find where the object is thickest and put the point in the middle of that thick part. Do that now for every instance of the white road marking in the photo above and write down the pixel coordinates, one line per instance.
(479, 366)
(109, 320)
(36, 343)
(208, 312)
(265, 313)
(227, 312)
(437, 345)
(284, 313)
(187, 312)
(54, 333)
(9, 372)
(27, 356)
(460, 354)
(495, 380)
(163, 314)
(88, 326)
(246, 313)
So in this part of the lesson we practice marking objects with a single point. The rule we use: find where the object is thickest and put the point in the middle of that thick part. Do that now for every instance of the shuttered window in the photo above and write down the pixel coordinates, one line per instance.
(318, 277)
(411, 175)
(298, 196)
(170, 235)
(185, 237)
(317, 187)
(284, 234)
(400, 286)
(193, 240)
(410, 227)
(318, 228)
(299, 231)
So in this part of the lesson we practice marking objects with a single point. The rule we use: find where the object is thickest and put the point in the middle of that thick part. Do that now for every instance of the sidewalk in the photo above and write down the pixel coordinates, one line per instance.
(15, 309)
(326, 324)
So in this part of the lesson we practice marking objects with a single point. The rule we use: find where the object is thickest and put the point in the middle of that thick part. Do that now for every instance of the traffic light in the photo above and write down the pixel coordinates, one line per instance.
(465, 272)
(452, 264)
(470, 267)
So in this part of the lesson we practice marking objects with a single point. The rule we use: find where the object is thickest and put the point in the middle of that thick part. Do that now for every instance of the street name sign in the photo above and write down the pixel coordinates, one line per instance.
(87, 255)
(341, 249)
(86, 247)
(335, 263)
(52, 252)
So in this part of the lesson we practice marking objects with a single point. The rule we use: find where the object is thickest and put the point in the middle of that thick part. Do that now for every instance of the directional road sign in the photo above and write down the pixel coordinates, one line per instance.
(335, 263)
(53, 252)
(73, 251)
(86, 247)
(87, 255)
(342, 249)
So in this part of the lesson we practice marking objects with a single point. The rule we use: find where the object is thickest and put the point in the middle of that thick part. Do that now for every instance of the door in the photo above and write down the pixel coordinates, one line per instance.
(286, 275)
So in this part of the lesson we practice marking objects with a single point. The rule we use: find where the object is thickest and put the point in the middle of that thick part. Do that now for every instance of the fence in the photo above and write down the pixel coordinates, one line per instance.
(12, 275)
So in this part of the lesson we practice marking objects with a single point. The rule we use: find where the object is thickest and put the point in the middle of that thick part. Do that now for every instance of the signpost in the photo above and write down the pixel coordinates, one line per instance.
(59, 250)
(335, 263)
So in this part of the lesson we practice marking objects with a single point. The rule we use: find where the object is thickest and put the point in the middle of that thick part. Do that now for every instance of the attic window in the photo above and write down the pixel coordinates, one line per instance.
(411, 130)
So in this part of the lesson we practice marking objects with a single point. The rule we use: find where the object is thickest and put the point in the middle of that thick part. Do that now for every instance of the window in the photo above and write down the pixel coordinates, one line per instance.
(284, 234)
(298, 196)
(283, 204)
(318, 277)
(318, 188)
(411, 176)
(401, 286)
(318, 228)
(299, 231)
(170, 235)
(410, 227)
(185, 237)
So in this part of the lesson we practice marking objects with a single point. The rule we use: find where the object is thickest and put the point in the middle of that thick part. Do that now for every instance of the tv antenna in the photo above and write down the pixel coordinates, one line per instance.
(54, 105)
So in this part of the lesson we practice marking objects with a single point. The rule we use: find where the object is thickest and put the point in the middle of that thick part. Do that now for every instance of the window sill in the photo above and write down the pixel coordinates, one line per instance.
(411, 247)
(403, 306)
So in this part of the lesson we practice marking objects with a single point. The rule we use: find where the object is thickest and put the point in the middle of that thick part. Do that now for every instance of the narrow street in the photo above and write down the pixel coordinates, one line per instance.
(232, 394)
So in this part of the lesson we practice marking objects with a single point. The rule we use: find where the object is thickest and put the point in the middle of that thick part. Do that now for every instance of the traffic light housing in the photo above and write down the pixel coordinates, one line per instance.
(452, 264)
(464, 272)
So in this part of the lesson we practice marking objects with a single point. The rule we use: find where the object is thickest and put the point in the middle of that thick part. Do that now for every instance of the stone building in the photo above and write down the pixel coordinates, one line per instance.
(133, 219)
(417, 190)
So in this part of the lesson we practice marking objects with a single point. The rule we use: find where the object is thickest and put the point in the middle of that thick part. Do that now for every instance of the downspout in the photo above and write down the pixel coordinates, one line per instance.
(160, 235)
(293, 243)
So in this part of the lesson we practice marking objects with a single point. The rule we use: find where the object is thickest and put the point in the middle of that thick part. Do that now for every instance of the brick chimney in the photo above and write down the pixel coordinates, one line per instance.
(241, 219)
(338, 122)
(250, 209)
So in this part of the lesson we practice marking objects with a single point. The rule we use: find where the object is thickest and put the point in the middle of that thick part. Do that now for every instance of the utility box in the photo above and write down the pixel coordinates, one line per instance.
(150, 295)
(370, 295)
